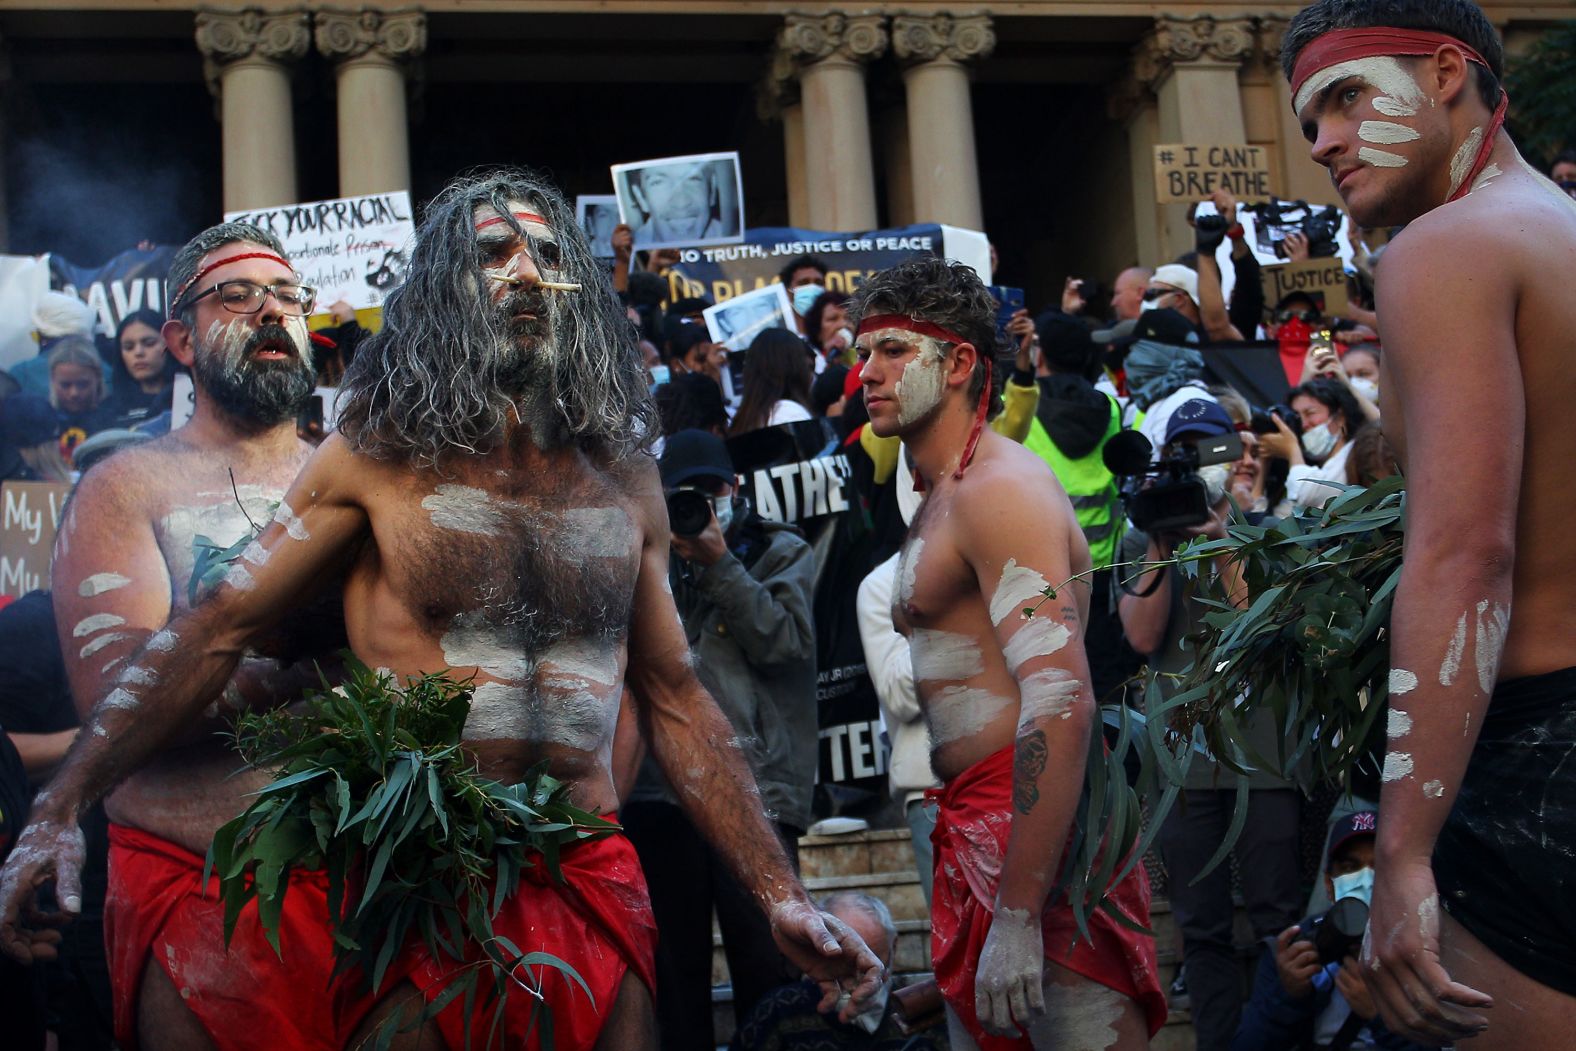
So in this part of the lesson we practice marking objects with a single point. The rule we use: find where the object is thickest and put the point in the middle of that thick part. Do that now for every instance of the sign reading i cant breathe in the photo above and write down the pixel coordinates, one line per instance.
(1193, 173)
(29, 516)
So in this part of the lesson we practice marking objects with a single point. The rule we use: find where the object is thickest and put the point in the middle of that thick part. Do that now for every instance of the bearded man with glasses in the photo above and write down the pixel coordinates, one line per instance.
(123, 566)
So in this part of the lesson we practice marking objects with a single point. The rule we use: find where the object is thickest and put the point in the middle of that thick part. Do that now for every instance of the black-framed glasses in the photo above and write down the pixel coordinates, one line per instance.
(1151, 295)
(246, 297)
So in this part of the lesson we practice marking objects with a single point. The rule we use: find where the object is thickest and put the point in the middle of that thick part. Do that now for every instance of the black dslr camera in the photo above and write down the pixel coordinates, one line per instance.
(1338, 933)
(1167, 494)
(1319, 224)
(689, 512)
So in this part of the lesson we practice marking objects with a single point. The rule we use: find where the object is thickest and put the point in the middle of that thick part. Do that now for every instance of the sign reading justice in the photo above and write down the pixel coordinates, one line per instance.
(1192, 173)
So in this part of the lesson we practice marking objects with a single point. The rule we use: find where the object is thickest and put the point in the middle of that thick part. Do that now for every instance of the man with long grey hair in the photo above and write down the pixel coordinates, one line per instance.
(494, 509)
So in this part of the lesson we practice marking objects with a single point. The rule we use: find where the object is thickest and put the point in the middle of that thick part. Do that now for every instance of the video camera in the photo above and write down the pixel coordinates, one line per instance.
(689, 512)
(1339, 932)
(1167, 494)
(1319, 224)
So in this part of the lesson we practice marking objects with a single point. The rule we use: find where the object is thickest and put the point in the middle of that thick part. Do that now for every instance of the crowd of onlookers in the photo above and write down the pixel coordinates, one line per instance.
(1293, 395)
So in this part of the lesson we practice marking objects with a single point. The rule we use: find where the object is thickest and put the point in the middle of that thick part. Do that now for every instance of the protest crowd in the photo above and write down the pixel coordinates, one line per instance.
(789, 485)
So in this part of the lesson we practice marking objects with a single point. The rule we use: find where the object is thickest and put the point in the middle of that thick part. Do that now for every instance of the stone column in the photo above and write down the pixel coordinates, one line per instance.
(829, 53)
(934, 49)
(1301, 178)
(1191, 65)
(778, 99)
(371, 49)
(1132, 105)
(246, 60)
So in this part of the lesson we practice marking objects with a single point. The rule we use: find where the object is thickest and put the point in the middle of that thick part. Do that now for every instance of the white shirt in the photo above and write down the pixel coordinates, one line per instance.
(787, 411)
(1305, 485)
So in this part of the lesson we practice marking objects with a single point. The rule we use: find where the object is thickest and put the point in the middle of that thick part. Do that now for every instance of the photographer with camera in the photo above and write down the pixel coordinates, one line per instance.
(1329, 414)
(1187, 498)
(1239, 321)
(743, 589)
(1308, 992)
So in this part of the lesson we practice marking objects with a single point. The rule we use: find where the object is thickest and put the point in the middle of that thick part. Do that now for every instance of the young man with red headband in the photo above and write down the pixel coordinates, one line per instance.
(491, 503)
(123, 564)
(1007, 697)
(1474, 911)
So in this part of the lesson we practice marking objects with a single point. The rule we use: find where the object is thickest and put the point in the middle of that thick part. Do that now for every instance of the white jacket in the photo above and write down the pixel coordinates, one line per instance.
(892, 671)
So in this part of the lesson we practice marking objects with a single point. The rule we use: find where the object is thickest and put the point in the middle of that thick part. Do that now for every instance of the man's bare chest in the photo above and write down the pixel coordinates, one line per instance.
(538, 562)
(196, 525)
(933, 578)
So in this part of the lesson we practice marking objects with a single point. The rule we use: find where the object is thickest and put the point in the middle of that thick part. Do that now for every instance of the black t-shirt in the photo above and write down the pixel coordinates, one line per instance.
(34, 695)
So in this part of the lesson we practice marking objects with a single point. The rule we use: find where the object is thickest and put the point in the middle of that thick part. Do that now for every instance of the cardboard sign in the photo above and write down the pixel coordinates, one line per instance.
(351, 248)
(1192, 173)
(29, 516)
(1323, 279)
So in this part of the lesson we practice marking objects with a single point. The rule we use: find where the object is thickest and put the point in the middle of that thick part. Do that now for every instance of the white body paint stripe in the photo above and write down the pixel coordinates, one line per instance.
(99, 583)
(942, 656)
(1039, 637)
(1020, 587)
(96, 622)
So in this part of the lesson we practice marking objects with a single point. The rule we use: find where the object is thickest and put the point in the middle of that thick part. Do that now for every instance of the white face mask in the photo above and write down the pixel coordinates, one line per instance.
(1215, 478)
(875, 1008)
(1366, 387)
(1359, 885)
(1318, 442)
(722, 506)
(804, 298)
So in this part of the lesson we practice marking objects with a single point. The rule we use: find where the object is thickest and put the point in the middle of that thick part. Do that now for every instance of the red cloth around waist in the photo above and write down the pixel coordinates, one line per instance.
(247, 999)
(973, 821)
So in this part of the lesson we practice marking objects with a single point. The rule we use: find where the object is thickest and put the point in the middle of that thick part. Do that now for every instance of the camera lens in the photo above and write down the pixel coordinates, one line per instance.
(689, 512)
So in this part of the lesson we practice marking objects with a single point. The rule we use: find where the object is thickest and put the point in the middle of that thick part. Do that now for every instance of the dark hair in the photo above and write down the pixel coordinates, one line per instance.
(777, 367)
(691, 401)
(188, 259)
(1333, 395)
(1461, 19)
(802, 262)
(947, 294)
(122, 376)
(1563, 157)
(1371, 457)
(685, 339)
(812, 320)
(827, 390)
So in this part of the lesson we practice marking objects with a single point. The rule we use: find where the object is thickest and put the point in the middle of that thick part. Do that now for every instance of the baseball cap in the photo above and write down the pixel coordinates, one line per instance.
(1165, 326)
(1175, 275)
(1200, 417)
(1065, 343)
(692, 454)
(1358, 823)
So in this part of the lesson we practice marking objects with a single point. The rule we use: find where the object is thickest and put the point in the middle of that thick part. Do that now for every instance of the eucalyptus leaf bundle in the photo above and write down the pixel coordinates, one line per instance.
(374, 788)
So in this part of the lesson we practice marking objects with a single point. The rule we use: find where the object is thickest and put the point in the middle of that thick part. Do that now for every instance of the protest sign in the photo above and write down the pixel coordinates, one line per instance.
(677, 202)
(719, 273)
(597, 216)
(735, 322)
(132, 281)
(1191, 173)
(353, 249)
(29, 516)
(1322, 279)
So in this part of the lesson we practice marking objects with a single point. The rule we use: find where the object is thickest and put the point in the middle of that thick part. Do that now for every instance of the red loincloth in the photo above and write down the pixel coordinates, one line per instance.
(247, 998)
(973, 820)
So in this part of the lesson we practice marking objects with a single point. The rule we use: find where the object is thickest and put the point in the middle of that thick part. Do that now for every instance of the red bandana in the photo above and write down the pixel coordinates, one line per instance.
(524, 217)
(216, 264)
(1344, 45)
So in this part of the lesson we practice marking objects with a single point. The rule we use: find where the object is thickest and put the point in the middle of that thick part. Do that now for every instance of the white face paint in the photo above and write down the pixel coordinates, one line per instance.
(1020, 588)
(960, 712)
(1047, 693)
(924, 378)
(1399, 93)
(96, 622)
(1401, 681)
(99, 643)
(1434, 789)
(295, 529)
(1466, 154)
(99, 583)
(1396, 766)
(1492, 626)
(908, 566)
(1039, 637)
(1386, 133)
(463, 509)
(1400, 724)
(944, 656)
(1450, 667)
(1381, 158)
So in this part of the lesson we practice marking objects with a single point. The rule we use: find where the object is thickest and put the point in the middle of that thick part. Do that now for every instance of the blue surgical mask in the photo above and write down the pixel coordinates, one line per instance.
(1359, 885)
(660, 374)
(804, 298)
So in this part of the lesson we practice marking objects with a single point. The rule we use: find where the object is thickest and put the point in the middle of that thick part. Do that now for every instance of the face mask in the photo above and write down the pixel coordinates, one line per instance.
(804, 297)
(1359, 885)
(1366, 387)
(875, 1009)
(1215, 478)
(723, 507)
(660, 374)
(1318, 441)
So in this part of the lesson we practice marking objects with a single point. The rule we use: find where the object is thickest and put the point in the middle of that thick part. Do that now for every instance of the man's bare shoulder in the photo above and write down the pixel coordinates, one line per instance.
(138, 475)
(635, 474)
(1509, 218)
(1007, 481)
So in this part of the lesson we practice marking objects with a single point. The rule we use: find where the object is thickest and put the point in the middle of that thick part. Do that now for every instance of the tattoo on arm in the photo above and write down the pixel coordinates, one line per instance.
(1028, 763)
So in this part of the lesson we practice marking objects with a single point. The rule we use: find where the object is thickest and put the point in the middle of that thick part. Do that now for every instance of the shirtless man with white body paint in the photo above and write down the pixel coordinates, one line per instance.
(124, 559)
(494, 508)
(1007, 698)
(1473, 928)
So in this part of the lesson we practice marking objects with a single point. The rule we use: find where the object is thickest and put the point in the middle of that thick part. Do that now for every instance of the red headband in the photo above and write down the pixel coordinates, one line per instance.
(907, 324)
(1344, 45)
(216, 264)
(524, 217)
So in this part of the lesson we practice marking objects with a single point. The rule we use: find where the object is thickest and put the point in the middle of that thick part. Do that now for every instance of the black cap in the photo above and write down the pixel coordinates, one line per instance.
(27, 420)
(689, 455)
(1165, 326)
(1065, 342)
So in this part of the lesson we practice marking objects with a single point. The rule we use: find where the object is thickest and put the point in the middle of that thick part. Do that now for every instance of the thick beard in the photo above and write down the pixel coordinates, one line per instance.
(260, 392)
